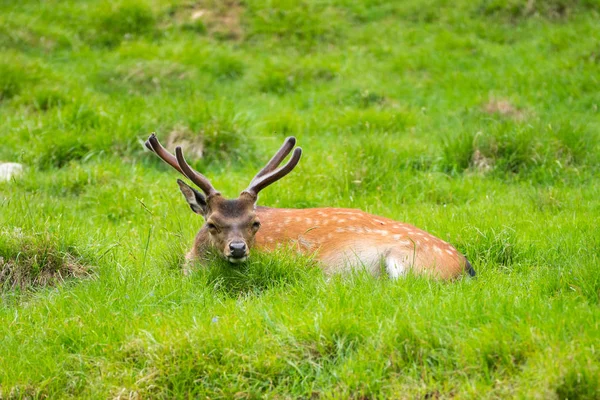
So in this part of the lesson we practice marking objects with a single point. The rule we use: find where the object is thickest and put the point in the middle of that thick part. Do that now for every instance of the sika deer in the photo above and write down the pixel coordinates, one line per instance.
(340, 238)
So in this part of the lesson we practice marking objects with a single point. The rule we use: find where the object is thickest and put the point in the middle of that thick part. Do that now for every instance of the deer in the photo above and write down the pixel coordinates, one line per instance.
(341, 239)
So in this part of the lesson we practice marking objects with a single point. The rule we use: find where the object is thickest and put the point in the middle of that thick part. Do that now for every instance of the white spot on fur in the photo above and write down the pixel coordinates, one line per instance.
(340, 230)
(298, 219)
(346, 213)
(437, 249)
(381, 232)
(379, 221)
(394, 267)
(449, 251)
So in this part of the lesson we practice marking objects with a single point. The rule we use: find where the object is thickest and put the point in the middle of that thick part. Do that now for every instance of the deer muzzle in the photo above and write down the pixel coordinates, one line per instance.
(238, 252)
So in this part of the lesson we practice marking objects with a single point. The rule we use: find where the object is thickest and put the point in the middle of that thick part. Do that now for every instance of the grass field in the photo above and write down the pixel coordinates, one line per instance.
(475, 120)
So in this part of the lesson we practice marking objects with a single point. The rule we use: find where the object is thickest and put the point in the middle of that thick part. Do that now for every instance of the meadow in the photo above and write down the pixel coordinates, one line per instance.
(475, 120)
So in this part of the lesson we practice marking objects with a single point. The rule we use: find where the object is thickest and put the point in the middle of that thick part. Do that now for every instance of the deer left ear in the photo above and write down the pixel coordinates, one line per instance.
(195, 199)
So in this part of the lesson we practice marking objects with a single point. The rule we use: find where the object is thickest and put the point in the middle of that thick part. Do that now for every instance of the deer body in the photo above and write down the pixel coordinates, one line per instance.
(344, 239)
(341, 239)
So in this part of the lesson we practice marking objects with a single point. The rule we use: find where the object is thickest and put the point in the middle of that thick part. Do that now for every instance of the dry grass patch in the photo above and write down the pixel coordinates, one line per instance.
(518, 10)
(481, 163)
(212, 135)
(222, 20)
(17, 36)
(146, 77)
(183, 136)
(23, 392)
(504, 108)
(36, 261)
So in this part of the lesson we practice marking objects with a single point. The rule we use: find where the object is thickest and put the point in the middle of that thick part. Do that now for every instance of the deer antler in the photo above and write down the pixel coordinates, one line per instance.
(196, 177)
(268, 174)
(180, 165)
(282, 153)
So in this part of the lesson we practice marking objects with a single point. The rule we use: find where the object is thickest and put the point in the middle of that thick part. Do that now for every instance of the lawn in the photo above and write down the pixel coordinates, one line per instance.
(475, 120)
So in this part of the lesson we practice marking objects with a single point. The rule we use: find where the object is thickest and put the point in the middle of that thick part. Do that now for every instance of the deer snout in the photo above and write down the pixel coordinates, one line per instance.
(238, 250)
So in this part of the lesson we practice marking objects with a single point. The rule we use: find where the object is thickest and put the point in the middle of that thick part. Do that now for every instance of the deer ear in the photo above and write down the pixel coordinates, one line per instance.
(195, 199)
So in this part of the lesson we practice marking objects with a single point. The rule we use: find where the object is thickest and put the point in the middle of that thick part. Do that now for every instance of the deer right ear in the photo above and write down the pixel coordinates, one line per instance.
(195, 199)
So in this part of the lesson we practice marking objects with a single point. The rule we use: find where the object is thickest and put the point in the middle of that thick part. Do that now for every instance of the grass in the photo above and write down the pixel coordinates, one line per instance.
(475, 120)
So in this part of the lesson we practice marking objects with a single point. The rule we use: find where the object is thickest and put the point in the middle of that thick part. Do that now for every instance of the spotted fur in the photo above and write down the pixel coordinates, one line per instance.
(342, 244)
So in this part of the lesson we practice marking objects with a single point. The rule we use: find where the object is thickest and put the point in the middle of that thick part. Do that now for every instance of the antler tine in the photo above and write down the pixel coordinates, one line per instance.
(282, 153)
(179, 164)
(200, 180)
(154, 145)
(261, 182)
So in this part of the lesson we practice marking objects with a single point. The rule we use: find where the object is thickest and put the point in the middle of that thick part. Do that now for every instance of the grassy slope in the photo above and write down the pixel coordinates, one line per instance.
(394, 106)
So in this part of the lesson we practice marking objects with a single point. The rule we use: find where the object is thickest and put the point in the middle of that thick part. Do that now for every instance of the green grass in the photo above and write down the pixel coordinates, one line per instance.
(475, 120)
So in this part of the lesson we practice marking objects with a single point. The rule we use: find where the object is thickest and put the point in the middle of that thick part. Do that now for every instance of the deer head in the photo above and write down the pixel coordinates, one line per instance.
(231, 224)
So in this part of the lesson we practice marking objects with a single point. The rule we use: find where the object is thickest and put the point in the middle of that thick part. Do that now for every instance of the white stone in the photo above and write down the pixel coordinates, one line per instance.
(8, 170)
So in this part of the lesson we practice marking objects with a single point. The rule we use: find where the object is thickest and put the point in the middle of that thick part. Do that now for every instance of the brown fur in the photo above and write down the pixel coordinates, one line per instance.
(337, 235)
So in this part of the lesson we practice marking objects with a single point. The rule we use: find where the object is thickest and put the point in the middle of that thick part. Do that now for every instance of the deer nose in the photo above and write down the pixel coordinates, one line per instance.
(238, 249)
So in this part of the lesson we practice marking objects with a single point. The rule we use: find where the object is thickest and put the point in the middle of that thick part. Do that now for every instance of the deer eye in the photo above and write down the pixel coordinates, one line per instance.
(212, 227)
(256, 225)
